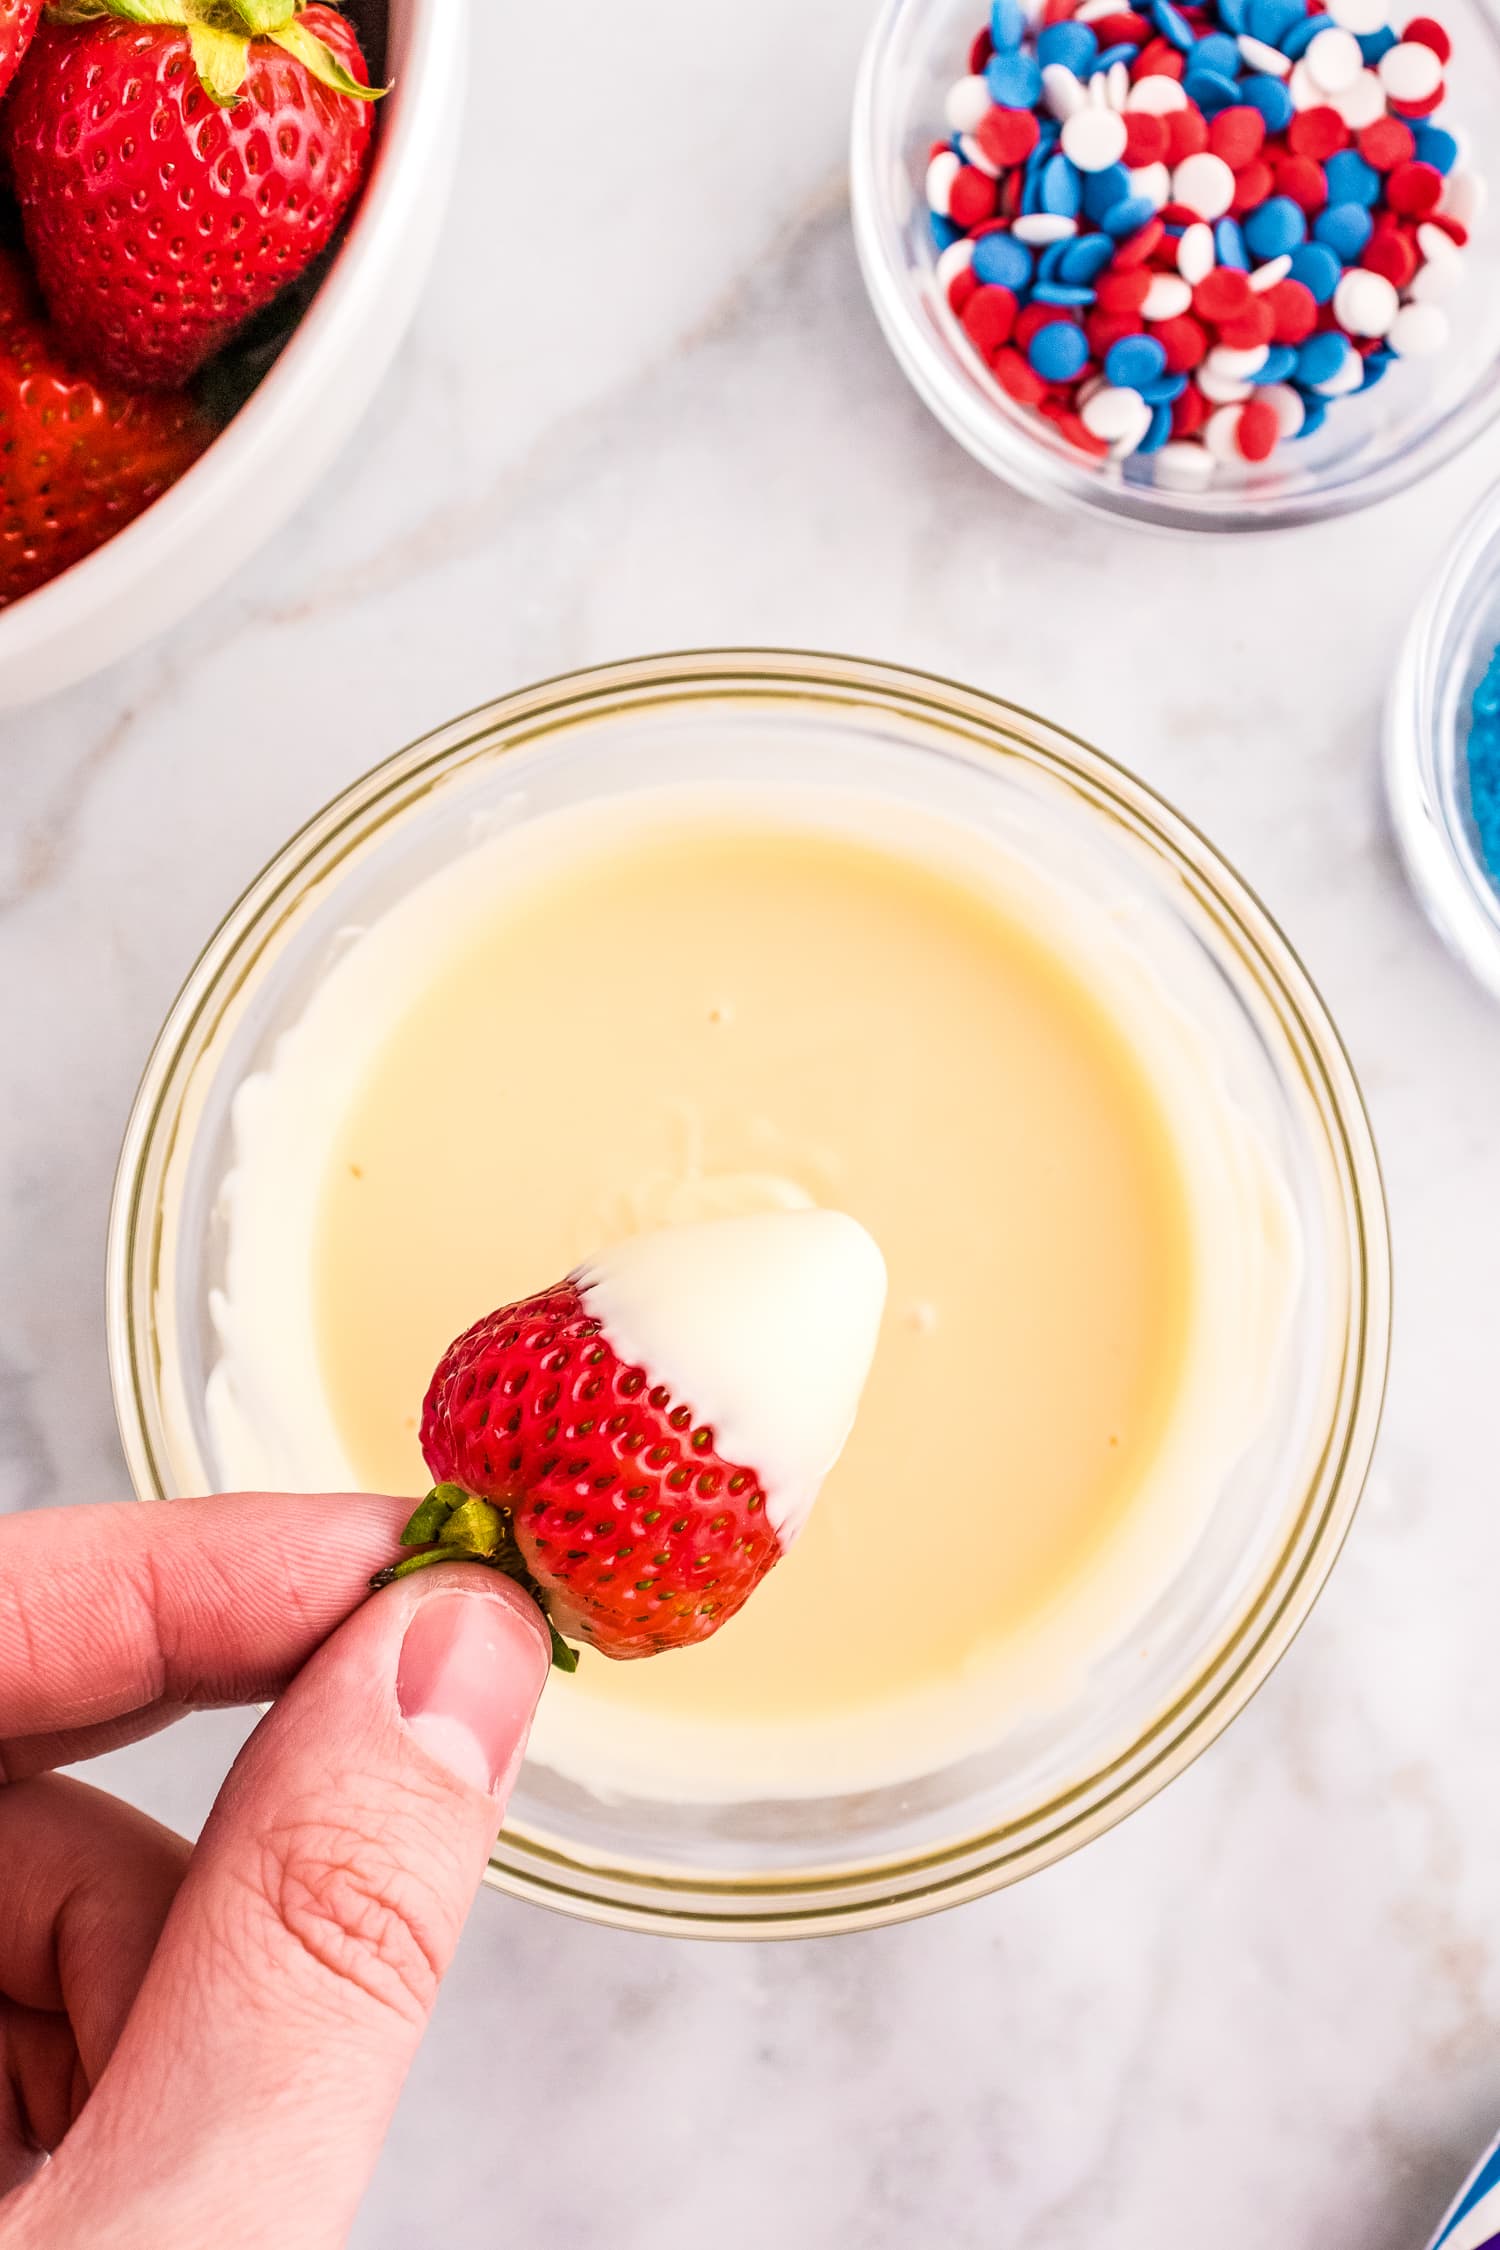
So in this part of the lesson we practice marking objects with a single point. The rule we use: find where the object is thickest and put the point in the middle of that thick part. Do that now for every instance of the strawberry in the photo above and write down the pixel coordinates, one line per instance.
(18, 20)
(641, 1443)
(174, 174)
(78, 458)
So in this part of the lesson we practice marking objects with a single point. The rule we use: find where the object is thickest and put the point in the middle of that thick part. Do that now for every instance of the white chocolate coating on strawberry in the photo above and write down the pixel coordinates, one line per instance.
(765, 1325)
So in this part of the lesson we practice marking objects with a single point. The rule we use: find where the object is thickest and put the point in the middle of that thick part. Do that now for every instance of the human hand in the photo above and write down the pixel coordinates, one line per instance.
(213, 2041)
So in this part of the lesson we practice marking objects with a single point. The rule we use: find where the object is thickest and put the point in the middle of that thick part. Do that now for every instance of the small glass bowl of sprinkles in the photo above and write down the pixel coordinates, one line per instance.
(1203, 264)
(1442, 748)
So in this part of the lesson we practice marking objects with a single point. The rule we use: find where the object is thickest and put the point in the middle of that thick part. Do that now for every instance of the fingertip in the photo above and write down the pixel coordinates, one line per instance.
(474, 1658)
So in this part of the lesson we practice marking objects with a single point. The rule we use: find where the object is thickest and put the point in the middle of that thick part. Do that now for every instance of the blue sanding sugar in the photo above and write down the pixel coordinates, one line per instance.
(1484, 766)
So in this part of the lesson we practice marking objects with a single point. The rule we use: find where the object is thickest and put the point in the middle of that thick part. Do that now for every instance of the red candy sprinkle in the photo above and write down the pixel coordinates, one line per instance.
(1036, 317)
(1420, 109)
(1257, 430)
(1222, 295)
(960, 289)
(989, 316)
(1256, 325)
(1138, 247)
(1158, 59)
(1387, 143)
(1294, 311)
(1318, 133)
(1455, 231)
(1073, 428)
(1389, 252)
(1414, 190)
(1122, 289)
(1184, 340)
(1299, 178)
(1014, 375)
(1426, 33)
(1251, 187)
(1189, 412)
(1237, 135)
(1007, 136)
(1106, 328)
(980, 53)
(1124, 29)
(971, 197)
(1145, 138)
(1187, 134)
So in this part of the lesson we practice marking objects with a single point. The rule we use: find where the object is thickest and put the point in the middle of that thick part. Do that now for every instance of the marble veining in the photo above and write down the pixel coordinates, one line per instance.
(647, 406)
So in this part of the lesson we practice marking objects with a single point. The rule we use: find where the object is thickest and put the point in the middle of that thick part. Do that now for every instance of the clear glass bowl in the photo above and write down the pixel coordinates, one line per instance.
(1448, 646)
(1368, 448)
(1015, 783)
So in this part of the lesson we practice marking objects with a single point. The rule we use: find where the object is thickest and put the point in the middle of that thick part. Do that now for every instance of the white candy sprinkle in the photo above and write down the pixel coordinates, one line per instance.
(1038, 228)
(1287, 406)
(1439, 276)
(1154, 182)
(1195, 254)
(1464, 198)
(1410, 72)
(1362, 103)
(1364, 303)
(1158, 97)
(1205, 184)
(1168, 297)
(1093, 10)
(1333, 60)
(1114, 413)
(1269, 60)
(972, 153)
(1221, 434)
(1350, 375)
(1362, 17)
(941, 174)
(1438, 246)
(967, 103)
(1061, 91)
(1418, 331)
(1118, 85)
(1093, 139)
(1235, 366)
(1223, 390)
(1181, 467)
(1274, 270)
(1304, 89)
(956, 259)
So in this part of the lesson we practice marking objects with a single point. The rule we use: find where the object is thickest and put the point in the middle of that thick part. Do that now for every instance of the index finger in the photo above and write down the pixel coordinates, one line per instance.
(107, 1612)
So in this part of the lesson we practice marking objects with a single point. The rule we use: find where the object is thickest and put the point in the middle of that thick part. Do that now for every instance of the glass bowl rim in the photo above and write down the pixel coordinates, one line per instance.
(995, 435)
(871, 1894)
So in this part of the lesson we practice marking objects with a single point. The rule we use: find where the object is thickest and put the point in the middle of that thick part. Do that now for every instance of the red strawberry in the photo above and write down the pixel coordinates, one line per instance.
(640, 1444)
(78, 458)
(18, 20)
(173, 178)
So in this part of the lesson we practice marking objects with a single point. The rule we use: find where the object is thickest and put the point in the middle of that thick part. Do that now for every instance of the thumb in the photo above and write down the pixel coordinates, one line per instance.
(256, 2076)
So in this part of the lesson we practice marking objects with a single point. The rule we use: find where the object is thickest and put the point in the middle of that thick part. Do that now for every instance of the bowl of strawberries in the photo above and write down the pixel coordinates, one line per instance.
(215, 216)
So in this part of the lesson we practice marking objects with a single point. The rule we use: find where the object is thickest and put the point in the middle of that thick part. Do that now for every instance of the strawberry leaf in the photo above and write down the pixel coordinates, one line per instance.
(321, 63)
(220, 59)
(134, 11)
(263, 18)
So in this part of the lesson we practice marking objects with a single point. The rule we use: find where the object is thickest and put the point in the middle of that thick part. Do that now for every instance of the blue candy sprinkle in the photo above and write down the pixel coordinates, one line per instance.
(1229, 246)
(1351, 180)
(1279, 362)
(1274, 228)
(1103, 190)
(1061, 293)
(1014, 80)
(1002, 262)
(1070, 45)
(1344, 228)
(1007, 23)
(1318, 269)
(1483, 762)
(1127, 216)
(1059, 351)
(1210, 90)
(1271, 20)
(1216, 52)
(1374, 44)
(1320, 358)
(1270, 97)
(1125, 52)
(1295, 43)
(1084, 259)
(1436, 147)
(1173, 25)
(1158, 430)
(1314, 417)
(1233, 15)
(1062, 191)
(1375, 366)
(1049, 264)
(943, 230)
(1135, 360)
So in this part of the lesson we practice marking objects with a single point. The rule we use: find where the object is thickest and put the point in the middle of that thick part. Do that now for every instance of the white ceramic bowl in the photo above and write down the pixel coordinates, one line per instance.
(283, 438)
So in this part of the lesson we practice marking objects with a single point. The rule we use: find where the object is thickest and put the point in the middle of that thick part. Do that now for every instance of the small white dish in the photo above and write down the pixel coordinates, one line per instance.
(284, 437)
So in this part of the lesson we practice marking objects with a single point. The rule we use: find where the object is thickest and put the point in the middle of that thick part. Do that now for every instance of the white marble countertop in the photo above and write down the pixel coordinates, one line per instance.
(647, 406)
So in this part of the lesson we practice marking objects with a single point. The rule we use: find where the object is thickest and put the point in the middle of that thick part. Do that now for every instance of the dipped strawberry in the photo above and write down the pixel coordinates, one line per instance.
(18, 20)
(640, 1444)
(79, 458)
(175, 173)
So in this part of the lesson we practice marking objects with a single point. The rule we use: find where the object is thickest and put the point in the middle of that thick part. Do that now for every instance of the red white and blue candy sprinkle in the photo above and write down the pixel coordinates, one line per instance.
(1181, 231)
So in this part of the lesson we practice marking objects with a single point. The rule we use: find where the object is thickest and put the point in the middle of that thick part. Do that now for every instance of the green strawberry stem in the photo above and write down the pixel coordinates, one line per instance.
(220, 32)
(451, 1525)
